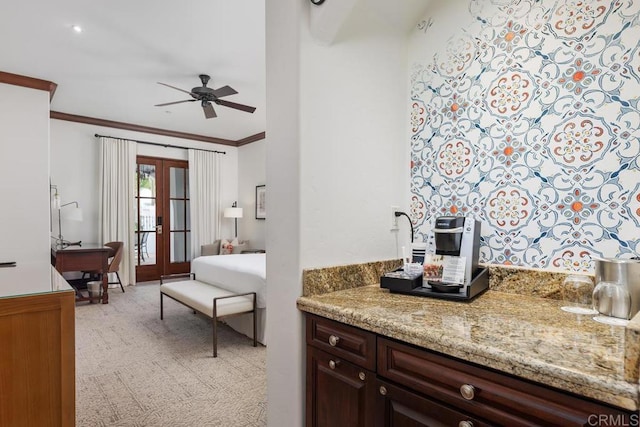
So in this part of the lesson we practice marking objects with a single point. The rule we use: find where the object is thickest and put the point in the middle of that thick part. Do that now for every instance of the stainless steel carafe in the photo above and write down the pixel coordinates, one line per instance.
(625, 271)
(612, 299)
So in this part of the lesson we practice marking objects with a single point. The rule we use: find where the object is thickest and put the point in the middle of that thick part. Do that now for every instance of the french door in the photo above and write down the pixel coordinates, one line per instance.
(163, 239)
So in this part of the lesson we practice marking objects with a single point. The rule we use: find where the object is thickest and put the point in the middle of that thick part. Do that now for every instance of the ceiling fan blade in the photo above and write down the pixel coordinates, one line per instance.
(176, 88)
(175, 102)
(224, 91)
(230, 104)
(209, 112)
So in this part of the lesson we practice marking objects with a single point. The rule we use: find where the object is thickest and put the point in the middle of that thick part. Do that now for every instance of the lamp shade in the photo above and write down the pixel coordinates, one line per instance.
(233, 212)
(73, 214)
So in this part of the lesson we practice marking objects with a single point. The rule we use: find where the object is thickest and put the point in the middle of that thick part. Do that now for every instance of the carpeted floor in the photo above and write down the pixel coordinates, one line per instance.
(132, 369)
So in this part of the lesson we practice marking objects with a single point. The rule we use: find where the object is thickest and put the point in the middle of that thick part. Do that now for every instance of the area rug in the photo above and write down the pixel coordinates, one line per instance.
(133, 369)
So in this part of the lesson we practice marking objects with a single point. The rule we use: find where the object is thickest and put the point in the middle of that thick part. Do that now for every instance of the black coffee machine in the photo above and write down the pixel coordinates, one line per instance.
(457, 244)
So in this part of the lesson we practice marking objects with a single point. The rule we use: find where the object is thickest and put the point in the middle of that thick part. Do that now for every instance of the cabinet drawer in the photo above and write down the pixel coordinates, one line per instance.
(397, 406)
(486, 394)
(347, 342)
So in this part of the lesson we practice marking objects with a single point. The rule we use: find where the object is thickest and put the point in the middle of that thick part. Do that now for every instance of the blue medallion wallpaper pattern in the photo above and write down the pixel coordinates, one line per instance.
(528, 121)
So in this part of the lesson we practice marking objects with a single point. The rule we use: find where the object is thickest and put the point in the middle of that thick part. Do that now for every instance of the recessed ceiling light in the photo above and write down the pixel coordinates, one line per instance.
(76, 28)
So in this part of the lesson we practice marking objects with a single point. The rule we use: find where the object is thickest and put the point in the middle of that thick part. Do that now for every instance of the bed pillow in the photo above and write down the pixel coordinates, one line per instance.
(226, 246)
(240, 246)
(212, 249)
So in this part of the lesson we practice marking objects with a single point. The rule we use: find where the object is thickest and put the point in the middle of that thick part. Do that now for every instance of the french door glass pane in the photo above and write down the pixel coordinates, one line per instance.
(178, 220)
(147, 181)
(178, 247)
(146, 214)
(146, 247)
(177, 183)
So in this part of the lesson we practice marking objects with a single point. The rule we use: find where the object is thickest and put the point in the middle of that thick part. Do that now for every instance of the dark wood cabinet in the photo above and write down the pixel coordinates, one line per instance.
(358, 378)
(339, 393)
(340, 377)
(399, 407)
(484, 393)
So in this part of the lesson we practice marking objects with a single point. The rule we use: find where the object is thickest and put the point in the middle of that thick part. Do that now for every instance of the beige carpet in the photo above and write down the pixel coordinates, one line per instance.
(132, 369)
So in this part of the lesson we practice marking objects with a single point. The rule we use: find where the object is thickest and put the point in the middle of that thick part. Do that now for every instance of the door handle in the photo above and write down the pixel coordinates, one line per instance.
(159, 229)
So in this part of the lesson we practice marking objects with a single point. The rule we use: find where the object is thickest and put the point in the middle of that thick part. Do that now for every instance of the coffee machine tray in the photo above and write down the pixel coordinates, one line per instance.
(479, 284)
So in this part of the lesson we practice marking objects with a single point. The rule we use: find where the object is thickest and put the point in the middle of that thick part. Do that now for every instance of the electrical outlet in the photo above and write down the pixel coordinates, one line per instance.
(394, 218)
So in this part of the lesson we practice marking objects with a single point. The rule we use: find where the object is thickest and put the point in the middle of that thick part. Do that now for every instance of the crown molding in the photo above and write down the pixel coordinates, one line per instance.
(138, 128)
(250, 139)
(30, 82)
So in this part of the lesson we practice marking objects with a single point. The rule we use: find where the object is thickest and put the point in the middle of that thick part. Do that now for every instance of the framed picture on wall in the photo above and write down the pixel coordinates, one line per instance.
(261, 193)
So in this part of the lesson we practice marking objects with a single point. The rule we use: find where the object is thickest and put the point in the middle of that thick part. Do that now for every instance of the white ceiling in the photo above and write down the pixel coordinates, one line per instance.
(110, 70)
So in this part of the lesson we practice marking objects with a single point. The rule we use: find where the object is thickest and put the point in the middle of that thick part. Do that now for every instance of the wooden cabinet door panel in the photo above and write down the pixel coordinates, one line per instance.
(339, 393)
(37, 360)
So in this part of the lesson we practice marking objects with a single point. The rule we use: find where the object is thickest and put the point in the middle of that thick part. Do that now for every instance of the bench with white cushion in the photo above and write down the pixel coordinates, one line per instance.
(209, 300)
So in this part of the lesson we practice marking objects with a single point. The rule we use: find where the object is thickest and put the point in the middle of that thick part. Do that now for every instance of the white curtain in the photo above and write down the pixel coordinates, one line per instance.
(204, 194)
(117, 200)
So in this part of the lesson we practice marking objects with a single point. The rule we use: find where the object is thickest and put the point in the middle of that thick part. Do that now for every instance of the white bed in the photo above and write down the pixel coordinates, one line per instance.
(238, 273)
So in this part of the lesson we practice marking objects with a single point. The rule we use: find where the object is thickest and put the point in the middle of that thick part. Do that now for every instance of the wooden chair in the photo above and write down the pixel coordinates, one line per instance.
(115, 257)
(114, 264)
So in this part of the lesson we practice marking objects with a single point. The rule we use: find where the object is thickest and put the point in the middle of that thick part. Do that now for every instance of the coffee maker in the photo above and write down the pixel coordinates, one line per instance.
(457, 240)
(457, 245)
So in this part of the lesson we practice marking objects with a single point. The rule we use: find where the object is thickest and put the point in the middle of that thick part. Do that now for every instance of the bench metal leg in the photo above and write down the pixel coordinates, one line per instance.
(215, 330)
(255, 321)
(161, 305)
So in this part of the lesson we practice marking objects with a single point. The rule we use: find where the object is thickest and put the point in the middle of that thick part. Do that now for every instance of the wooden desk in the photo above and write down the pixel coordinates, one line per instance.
(88, 257)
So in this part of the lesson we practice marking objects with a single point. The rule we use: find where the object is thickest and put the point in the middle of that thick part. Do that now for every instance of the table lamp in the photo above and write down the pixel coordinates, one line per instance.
(233, 212)
(74, 214)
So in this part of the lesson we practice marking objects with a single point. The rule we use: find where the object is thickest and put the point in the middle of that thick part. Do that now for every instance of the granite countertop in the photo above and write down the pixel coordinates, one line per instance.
(524, 335)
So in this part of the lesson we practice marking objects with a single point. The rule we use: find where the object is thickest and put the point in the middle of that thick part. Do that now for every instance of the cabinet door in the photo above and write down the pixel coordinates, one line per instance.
(398, 407)
(37, 360)
(339, 393)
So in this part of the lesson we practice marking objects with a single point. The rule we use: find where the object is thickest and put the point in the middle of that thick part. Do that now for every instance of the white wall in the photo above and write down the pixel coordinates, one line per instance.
(74, 169)
(24, 190)
(353, 135)
(285, 379)
(251, 172)
(336, 162)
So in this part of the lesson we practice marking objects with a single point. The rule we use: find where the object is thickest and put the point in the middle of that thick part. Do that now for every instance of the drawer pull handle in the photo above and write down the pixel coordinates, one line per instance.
(333, 340)
(333, 364)
(383, 390)
(468, 391)
(465, 424)
(362, 376)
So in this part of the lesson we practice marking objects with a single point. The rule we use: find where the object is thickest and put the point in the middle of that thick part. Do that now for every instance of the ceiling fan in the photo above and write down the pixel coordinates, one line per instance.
(206, 96)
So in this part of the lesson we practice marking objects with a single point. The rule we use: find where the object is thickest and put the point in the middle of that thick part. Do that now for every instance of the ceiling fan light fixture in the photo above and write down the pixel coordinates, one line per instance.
(209, 96)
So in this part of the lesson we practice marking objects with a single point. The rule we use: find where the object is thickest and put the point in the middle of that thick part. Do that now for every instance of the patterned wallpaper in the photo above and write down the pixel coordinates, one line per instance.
(528, 119)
